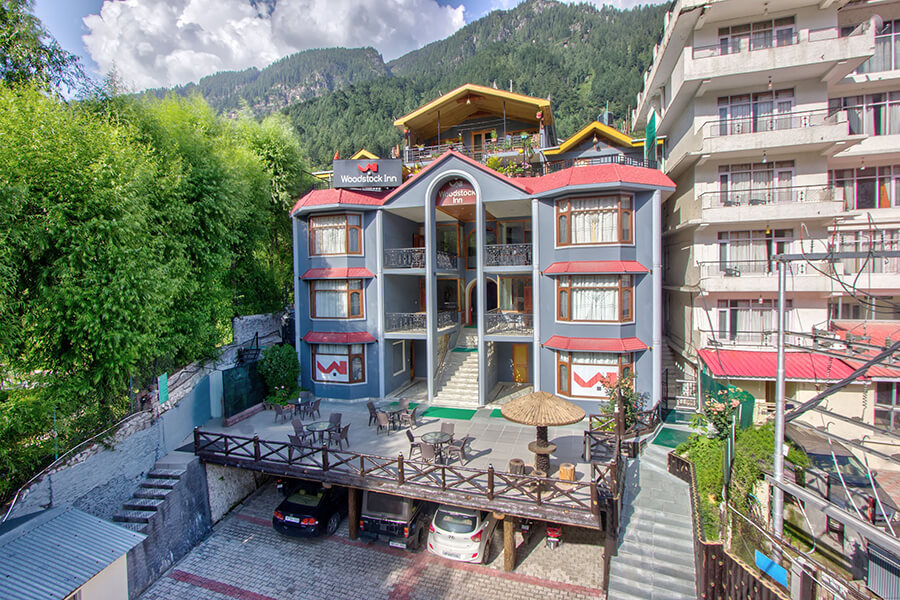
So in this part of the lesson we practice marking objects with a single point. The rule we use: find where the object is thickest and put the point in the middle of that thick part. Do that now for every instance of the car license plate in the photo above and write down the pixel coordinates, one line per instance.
(290, 519)
(397, 544)
(452, 555)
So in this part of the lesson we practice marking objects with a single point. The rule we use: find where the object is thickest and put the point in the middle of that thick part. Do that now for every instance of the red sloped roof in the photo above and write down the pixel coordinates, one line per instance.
(560, 342)
(596, 266)
(878, 333)
(759, 364)
(340, 196)
(349, 337)
(595, 174)
(338, 273)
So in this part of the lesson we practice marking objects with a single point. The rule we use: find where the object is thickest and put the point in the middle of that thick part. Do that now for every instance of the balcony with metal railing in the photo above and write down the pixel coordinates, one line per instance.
(762, 276)
(497, 322)
(414, 258)
(768, 203)
(511, 145)
(758, 338)
(416, 324)
(497, 256)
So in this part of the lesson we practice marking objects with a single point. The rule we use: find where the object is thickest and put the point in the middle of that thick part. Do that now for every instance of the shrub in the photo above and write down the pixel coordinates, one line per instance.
(279, 369)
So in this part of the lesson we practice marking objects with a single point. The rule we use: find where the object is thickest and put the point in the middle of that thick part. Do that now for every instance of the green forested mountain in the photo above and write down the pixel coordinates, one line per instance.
(579, 56)
(296, 77)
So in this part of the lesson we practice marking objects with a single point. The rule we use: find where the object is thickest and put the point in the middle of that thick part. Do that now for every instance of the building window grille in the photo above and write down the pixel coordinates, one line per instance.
(337, 299)
(594, 298)
(335, 234)
(594, 220)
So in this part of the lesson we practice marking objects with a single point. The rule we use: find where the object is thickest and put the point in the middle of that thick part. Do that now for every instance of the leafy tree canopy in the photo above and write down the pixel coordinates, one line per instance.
(29, 53)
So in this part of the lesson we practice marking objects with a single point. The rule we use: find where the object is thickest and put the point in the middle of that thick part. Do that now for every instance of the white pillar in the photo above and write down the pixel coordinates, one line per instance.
(379, 287)
(430, 293)
(295, 222)
(657, 275)
(481, 295)
(536, 294)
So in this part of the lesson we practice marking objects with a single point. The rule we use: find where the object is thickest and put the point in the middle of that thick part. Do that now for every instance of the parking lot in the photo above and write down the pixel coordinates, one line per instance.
(245, 558)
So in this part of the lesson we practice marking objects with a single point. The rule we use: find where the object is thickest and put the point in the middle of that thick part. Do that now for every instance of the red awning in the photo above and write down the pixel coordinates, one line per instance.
(342, 273)
(595, 266)
(758, 364)
(559, 342)
(326, 337)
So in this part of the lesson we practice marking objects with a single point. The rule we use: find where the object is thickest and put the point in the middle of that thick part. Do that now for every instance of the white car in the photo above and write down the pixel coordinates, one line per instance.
(461, 534)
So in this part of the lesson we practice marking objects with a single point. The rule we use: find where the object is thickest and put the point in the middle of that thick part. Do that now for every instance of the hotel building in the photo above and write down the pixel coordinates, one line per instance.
(487, 259)
(782, 132)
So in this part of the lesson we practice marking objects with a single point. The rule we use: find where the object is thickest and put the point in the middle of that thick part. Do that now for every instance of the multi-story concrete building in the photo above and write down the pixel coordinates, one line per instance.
(782, 132)
(463, 280)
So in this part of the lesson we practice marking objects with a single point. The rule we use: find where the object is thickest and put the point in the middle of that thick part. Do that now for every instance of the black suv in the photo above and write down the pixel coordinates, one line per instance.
(401, 522)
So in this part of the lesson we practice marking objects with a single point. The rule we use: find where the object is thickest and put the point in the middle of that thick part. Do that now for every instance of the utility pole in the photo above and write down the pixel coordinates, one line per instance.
(778, 457)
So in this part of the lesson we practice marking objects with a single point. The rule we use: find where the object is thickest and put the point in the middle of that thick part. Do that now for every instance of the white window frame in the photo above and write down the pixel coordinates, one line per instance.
(402, 353)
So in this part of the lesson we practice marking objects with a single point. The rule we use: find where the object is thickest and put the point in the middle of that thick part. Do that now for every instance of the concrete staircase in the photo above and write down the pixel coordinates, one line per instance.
(150, 496)
(655, 558)
(459, 384)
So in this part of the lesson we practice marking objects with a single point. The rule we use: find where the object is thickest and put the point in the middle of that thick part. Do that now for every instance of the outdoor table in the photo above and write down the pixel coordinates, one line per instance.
(438, 439)
(320, 427)
(393, 412)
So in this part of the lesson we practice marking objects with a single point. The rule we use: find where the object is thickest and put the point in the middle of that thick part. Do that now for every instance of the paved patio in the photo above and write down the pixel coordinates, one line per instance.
(495, 440)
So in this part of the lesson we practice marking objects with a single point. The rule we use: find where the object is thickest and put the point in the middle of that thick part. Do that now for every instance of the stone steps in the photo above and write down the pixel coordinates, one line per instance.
(655, 558)
(150, 495)
(133, 516)
(143, 503)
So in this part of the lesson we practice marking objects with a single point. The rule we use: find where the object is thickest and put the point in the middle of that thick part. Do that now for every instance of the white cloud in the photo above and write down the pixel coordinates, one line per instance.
(154, 43)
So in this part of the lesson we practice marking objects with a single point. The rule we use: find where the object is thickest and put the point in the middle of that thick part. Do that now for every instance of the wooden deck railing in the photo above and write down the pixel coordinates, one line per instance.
(573, 502)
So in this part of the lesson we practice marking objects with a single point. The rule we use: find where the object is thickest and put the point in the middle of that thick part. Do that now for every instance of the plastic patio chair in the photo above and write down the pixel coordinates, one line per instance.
(448, 428)
(383, 423)
(339, 437)
(373, 418)
(409, 418)
(414, 446)
(459, 449)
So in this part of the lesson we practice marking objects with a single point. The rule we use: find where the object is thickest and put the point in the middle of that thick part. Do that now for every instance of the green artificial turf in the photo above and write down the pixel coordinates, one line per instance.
(442, 412)
(671, 438)
(465, 350)
(411, 404)
(496, 413)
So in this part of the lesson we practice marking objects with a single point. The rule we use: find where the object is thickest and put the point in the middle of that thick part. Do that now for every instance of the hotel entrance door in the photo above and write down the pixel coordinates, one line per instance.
(520, 362)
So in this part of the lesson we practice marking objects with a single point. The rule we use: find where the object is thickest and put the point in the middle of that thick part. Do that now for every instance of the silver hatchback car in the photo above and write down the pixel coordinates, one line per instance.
(462, 534)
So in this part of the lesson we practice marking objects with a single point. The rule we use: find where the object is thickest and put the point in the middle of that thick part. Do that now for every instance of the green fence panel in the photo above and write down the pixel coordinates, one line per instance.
(710, 388)
(242, 387)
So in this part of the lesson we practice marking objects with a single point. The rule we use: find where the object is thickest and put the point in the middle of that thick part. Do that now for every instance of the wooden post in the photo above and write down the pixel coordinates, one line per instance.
(324, 457)
(400, 469)
(256, 453)
(509, 543)
(196, 439)
(490, 483)
(353, 512)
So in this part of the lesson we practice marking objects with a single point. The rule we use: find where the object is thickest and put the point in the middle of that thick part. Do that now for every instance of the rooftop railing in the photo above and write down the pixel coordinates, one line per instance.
(609, 159)
(773, 194)
(759, 268)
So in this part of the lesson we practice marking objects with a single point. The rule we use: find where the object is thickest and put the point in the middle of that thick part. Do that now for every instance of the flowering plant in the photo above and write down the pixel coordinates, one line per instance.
(612, 385)
(281, 395)
(718, 410)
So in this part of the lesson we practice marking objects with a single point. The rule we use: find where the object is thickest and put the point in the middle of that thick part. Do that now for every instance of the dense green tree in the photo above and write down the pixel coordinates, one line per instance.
(29, 53)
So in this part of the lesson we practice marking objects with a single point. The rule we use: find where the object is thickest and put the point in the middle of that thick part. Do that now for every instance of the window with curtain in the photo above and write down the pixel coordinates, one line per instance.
(567, 367)
(758, 183)
(751, 251)
(751, 113)
(887, 50)
(749, 321)
(887, 405)
(866, 188)
(335, 234)
(337, 299)
(346, 362)
(866, 241)
(872, 114)
(595, 220)
(594, 298)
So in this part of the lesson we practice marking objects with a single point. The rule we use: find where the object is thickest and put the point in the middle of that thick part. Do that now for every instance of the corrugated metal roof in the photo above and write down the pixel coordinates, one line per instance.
(57, 551)
(338, 337)
(595, 266)
(759, 364)
(338, 273)
(561, 342)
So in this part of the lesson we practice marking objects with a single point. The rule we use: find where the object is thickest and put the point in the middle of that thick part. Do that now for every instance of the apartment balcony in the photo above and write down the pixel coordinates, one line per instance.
(515, 324)
(755, 276)
(398, 325)
(760, 137)
(748, 339)
(414, 258)
(878, 274)
(781, 203)
(814, 54)
(508, 257)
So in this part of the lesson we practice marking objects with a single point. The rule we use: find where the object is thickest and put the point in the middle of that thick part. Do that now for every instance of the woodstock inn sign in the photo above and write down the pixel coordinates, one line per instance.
(367, 173)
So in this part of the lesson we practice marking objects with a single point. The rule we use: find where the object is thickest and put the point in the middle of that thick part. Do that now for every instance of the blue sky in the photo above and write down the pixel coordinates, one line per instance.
(152, 43)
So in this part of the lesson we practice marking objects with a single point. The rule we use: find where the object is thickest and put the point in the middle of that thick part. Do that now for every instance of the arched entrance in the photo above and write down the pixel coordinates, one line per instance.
(472, 300)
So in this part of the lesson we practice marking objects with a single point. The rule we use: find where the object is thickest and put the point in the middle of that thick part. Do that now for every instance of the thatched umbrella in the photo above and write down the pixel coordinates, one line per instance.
(542, 410)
